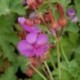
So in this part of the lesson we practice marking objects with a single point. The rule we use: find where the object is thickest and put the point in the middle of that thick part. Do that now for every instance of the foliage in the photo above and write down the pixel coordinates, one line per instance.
(9, 28)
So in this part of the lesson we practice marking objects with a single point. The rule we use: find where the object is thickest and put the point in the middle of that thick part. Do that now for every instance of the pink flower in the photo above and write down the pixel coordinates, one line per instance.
(71, 12)
(72, 15)
(26, 27)
(74, 19)
(34, 45)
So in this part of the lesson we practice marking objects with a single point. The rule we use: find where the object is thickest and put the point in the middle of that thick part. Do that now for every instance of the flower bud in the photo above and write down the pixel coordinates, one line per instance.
(62, 22)
(29, 72)
(39, 1)
(54, 25)
(29, 22)
(47, 17)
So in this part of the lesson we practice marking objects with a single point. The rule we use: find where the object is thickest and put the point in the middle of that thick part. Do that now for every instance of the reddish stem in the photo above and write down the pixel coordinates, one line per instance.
(51, 16)
(60, 9)
(50, 13)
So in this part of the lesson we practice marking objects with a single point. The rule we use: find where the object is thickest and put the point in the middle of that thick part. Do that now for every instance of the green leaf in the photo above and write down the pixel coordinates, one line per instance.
(77, 7)
(72, 28)
(69, 69)
(6, 23)
(36, 77)
(9, 74)
(77, 50)
(73, 37)
(7, 51)
(65, 75)
(16, 7)
(4, 9)
(9, 6)
(68, 47)
(22, 62)
(8, 37)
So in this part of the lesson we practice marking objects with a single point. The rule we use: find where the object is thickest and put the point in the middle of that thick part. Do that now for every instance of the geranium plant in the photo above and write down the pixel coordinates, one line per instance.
(39, 40)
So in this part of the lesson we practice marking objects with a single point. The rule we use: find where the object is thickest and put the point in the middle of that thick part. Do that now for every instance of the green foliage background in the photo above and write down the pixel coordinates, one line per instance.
(9, 12)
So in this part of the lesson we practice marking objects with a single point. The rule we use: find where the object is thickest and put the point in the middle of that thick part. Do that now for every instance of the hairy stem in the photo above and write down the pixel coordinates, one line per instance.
(51, 77)
(63, 53)
(38, 72)
(58, 57)
(52, 61)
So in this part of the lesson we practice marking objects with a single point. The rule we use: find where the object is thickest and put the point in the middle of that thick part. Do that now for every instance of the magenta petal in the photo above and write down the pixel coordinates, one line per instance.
(42, 39)
(23, 45)
(25, 48)
(21, 20)
(31, 38)
(32, 29)
(40, 51)
(36, 29)
(28, 53)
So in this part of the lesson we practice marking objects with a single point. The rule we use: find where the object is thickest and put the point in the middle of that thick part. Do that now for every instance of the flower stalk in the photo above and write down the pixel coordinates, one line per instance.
(63, 53)
(38, 72)
(58, 57)
(52, 62)
(46, 65)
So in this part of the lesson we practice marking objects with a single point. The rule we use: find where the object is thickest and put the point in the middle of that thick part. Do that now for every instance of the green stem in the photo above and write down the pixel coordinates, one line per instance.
(46, 73)
(58, 56)
(63, 53)
(66, 59)
(52, 61)
(38, 72)
(51, 77)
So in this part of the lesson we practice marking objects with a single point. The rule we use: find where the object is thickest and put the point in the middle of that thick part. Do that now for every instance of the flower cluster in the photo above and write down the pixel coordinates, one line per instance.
(33, 4)
(35, 42)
